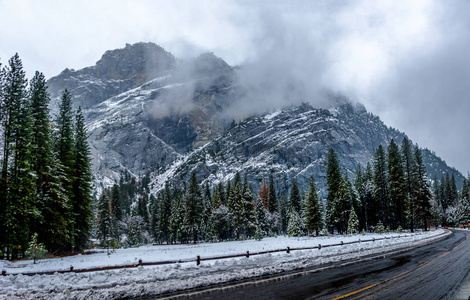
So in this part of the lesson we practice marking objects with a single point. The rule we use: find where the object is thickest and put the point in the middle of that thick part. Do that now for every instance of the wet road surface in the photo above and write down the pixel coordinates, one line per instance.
(436, 271)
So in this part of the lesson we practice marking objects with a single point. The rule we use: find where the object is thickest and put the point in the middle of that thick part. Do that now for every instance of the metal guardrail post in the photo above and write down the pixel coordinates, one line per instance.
(288, 249)
(198, 260)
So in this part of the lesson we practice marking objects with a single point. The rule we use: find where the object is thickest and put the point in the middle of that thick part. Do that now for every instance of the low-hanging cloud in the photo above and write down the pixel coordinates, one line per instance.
(407, 62)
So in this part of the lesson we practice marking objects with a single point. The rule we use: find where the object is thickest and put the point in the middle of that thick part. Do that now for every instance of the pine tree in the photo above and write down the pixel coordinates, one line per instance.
(216, 202)
(41, 144)
(465, 202)
(65, 149)
(408, 162)
(221, 190)
(422, 191)
(206, 211)
(360, 186)
(236, 209)
(13, 97)
(104, 219)
(448, 195)
(333, 182)
(381, 180)
(116, 203)
(353, 223)
(396, 183)
(262, 227)
(166, 211)
(22, 187)
(82, 185)
(453, 190)
(142, 209)
(272, 199)
(155, 217)
(296, 225)
(35, 250)
(283, 212)
(295, 196)
(342, 205)
(313, 209)
(176, 221)
(54, 227)
(249, 225)
(193, 207)
(370, 203)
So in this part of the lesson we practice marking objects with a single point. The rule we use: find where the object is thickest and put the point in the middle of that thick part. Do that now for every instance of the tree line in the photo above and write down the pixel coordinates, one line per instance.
(45, 178)
(392, 192)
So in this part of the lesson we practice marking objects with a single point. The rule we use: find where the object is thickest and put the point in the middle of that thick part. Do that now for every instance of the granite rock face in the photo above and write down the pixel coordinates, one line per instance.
(116, 72)
(150, 113)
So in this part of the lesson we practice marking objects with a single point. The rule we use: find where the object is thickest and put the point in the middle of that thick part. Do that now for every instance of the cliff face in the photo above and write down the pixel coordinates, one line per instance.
(148, 112)
(116, 72)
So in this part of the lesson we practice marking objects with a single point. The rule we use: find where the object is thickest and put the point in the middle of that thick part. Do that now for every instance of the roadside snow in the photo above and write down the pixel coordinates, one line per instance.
(154, 280)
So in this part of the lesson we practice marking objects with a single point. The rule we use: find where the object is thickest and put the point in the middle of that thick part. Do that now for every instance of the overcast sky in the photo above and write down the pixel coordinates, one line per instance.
(406, 61)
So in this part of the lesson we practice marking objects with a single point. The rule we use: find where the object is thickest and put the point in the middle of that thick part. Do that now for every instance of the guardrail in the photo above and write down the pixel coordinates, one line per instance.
(199, 259)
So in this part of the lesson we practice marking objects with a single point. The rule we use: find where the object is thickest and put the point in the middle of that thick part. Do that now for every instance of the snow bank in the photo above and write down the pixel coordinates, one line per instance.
(155, 280)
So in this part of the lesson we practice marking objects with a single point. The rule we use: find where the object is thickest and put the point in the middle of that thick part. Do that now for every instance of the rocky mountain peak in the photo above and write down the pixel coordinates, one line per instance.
(144, 61)
(116, 72)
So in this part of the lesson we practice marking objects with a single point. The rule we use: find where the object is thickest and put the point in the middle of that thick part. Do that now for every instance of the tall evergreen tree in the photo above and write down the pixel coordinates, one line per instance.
(295, 196)
(381, 192)
(408, 163)
(453, 190)
(65, 149)
(397, 184)
(206, 210)
(313, 209)
(193, 207)
(155, 216)
(353, 223)
(41, 143)
(65, 142)
(249, 225)
(216, 201)
(116, 203)
(16, 184)
(22, 186)
(104, 218)
(166, 211)
(54, 222)
(236, 209)
(360, 186)
(449, 199)
(422, 190)
(82, 185)
(333, 182)
(272, 198)
(370, 203)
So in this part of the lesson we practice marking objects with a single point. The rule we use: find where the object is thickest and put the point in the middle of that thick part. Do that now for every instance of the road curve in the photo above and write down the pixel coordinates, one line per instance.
(436, 271)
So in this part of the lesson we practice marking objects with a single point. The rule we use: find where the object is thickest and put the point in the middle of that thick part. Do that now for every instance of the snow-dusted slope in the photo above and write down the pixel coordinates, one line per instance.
(150, 113)
(292, 142)
(155, 280)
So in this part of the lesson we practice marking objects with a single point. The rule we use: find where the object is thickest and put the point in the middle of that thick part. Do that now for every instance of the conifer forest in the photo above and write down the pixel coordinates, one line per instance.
(47, 193)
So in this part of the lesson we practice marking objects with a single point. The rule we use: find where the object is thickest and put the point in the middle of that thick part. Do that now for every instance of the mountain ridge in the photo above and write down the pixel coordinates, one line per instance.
(173, 119)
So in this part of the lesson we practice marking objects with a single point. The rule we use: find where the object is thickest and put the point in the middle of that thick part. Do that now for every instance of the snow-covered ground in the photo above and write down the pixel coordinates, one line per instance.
(154, 280)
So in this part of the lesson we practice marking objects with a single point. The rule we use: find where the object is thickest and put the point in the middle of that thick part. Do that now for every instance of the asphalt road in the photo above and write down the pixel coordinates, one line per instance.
(436, 271)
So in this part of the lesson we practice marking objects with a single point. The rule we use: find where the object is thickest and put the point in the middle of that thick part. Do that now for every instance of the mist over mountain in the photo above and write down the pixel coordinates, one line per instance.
(151, 113)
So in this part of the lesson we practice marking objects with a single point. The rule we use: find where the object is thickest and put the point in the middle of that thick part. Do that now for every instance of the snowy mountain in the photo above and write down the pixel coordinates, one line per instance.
(150, 113)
